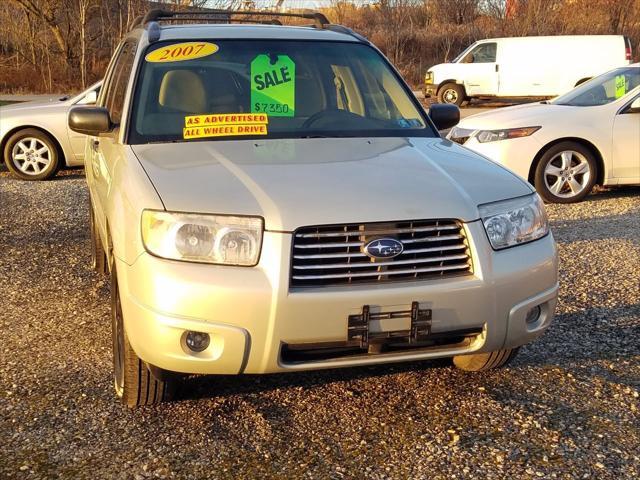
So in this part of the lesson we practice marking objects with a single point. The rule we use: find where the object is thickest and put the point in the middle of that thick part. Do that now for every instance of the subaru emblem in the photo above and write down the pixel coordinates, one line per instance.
(383, 248)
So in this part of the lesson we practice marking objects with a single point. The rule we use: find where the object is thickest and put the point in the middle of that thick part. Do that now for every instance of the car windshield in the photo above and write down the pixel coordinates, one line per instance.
(603, 89)
(269, 89)
(463, 53)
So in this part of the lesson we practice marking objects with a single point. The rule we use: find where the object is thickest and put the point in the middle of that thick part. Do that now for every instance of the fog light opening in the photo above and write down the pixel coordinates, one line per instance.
(197, 341)
(533, 315)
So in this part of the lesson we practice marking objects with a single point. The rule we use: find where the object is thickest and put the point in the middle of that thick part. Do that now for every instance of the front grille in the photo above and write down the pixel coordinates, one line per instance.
(334, 255)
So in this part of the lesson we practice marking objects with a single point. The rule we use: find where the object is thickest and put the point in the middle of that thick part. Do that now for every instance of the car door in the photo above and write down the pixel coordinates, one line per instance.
(481, 76)
(626, 142)
(99, 150)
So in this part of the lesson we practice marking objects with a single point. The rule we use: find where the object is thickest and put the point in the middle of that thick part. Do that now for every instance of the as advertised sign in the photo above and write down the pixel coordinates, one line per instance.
(224, 125)
(273, 85)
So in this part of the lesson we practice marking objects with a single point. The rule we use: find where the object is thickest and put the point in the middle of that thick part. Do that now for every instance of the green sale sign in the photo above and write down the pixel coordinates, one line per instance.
(273, 85)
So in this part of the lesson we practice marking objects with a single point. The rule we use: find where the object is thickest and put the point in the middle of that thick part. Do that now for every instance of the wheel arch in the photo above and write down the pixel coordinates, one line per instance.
(585, 143)
(5, 139)
(451, 80)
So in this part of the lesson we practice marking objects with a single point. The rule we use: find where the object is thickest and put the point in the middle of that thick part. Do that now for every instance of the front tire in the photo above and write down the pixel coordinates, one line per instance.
(479, 362)
(451, 93)
(566, 173)
(133, 381)
(31, 154)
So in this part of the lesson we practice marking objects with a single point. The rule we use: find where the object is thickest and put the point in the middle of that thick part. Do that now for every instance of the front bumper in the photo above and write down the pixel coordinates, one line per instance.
(430, 89)
(250, 313)
(516, 154)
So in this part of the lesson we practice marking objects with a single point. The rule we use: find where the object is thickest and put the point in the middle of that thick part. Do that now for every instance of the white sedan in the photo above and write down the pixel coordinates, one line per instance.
(35, 140)
(588, 136)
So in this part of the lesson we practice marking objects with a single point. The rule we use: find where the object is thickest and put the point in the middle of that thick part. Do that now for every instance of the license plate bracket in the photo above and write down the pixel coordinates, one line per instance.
(359, 330)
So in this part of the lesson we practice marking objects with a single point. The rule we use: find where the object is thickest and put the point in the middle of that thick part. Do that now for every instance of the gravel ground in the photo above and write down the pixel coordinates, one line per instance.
(566, 408)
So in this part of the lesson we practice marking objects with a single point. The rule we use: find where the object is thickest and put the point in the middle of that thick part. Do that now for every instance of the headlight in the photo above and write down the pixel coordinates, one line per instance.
(428, 78)
(516, 221)
(485, 136)
(192, 237)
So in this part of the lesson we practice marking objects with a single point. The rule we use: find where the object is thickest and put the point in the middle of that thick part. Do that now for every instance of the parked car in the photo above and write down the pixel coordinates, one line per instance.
(525, 66)
(35, 139)
(275, 199)
(591, 135)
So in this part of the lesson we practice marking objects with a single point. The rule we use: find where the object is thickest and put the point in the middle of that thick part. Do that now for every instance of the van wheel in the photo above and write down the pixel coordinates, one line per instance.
(566, 173)
(133, 381)
(451, 93)
(98, 255)
(478, 362)
(31, 154)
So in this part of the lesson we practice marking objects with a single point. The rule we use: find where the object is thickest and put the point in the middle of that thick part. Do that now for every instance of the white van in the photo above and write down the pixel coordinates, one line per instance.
(525, 66)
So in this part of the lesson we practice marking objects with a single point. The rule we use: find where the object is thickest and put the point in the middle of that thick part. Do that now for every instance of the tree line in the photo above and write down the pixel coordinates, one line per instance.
(65, 45)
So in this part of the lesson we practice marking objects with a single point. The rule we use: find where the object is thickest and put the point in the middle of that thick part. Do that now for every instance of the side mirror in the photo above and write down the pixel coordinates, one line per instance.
(90, 120)
(444, 115)
(634, 107)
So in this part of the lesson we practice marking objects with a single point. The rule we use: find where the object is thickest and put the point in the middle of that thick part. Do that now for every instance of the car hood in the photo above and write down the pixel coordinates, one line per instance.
(31, 108)
(516, 116)
(298, 182)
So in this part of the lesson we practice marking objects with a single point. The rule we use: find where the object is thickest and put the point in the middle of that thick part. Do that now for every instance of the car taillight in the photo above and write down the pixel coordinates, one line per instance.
(627, 53)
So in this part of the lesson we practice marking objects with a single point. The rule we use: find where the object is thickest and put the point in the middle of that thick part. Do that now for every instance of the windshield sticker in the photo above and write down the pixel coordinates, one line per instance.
(224, 119)
(273, 85)
(179, 52)
(621, 87)
(226, 124)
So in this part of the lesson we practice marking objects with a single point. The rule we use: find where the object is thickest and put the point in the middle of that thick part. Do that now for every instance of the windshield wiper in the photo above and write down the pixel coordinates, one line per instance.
(319, 135)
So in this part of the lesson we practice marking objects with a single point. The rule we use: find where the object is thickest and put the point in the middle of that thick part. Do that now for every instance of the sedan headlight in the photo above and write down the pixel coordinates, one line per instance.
(192, 237)
(513, 222)
(485, 136)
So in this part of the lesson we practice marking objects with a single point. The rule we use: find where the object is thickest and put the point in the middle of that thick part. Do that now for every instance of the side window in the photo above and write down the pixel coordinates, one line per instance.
(634, 106)
(484, 53)
(118, 84)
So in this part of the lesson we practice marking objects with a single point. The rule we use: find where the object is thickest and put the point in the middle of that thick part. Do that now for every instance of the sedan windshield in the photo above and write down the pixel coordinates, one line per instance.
(270, 89)
(603, 89)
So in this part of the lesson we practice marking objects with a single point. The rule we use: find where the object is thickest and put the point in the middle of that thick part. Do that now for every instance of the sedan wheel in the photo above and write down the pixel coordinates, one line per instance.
(31, 155)
(566, 173)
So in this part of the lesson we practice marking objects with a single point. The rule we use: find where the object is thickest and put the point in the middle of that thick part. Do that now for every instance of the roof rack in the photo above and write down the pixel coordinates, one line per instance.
(226, 16)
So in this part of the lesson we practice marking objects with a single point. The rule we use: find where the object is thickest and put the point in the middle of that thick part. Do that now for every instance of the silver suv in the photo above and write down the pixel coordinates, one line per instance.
(272, 198)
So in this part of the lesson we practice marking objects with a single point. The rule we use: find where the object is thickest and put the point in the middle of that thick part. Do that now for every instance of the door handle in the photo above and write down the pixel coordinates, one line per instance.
(497, 67)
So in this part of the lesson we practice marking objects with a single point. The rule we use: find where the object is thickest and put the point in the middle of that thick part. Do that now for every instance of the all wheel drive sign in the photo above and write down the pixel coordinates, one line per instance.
(273, 85)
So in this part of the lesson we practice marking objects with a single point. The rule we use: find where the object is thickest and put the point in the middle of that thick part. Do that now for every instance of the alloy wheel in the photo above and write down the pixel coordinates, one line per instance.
(567, 174)
(31, 155)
